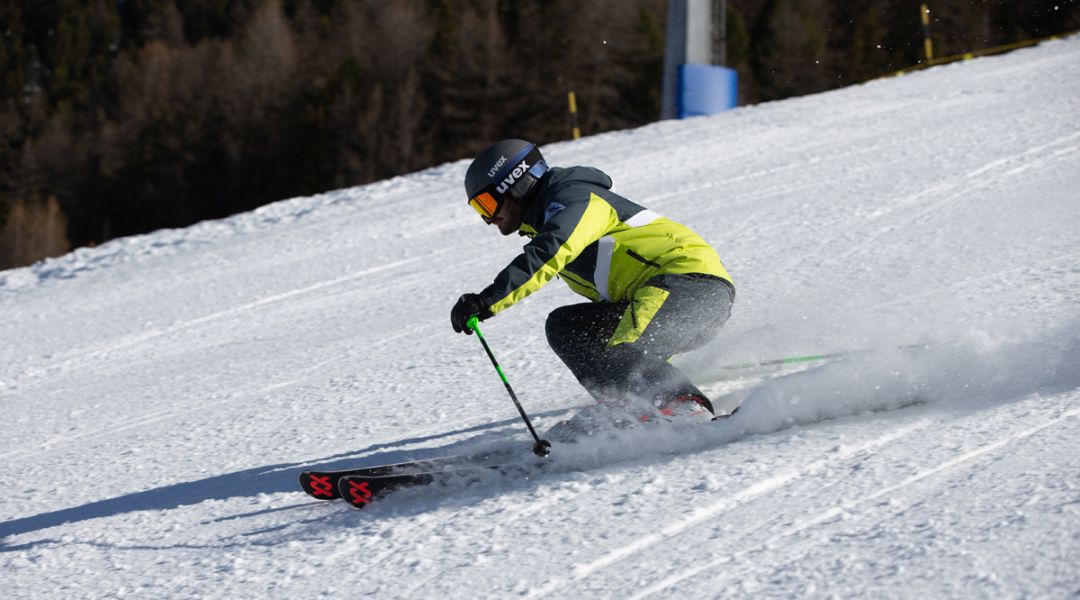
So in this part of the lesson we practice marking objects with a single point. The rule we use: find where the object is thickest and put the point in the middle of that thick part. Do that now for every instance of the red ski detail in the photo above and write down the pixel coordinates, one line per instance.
(359, 492)
(321, 486)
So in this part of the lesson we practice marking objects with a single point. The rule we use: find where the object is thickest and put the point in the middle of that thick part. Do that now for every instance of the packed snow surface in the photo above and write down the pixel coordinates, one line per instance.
(162, 392)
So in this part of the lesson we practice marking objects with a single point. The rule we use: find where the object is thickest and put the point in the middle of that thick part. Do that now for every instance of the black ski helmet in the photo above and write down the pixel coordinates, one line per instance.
(510, 168)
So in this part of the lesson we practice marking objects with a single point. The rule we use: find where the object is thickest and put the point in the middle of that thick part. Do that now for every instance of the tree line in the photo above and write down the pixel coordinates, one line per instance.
(123, 116)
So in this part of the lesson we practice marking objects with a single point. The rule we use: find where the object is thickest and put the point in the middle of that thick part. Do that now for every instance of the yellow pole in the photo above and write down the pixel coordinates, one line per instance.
(575, 132)
(928, 46)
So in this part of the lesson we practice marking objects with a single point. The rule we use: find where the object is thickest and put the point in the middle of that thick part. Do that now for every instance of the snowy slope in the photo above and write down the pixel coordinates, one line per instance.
(160, 393)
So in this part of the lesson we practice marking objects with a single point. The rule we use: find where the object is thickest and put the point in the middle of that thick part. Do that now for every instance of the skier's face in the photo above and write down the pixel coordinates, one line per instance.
(508, 218)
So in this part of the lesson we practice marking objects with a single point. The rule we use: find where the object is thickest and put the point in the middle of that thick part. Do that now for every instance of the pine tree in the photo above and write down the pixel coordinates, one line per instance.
(789, 49)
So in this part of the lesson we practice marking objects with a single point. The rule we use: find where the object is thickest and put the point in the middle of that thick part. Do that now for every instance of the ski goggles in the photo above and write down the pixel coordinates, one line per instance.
(487, 202)
(485, 205)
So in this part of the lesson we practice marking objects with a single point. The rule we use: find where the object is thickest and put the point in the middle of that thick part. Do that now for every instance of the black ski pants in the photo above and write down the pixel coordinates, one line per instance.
(691, 314)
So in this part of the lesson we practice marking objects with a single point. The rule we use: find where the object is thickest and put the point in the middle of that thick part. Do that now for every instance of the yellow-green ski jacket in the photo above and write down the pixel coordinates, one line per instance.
(602, 245)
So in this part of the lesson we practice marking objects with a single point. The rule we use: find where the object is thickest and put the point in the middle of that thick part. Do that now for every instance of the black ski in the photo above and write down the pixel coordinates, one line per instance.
(360, 486)
(361, 490)
(323, 485)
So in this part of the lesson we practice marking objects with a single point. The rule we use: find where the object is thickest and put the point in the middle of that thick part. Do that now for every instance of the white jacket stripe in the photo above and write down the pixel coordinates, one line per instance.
(604, 249)
(642, 218)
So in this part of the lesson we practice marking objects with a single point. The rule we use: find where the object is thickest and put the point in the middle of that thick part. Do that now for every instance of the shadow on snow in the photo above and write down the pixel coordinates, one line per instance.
(266, 479)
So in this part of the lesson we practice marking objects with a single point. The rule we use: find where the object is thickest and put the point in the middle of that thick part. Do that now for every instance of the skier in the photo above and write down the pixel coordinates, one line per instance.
(657, 288)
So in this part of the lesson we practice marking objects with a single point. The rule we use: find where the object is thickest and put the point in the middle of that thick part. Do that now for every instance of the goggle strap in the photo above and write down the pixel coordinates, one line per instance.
(538, 169)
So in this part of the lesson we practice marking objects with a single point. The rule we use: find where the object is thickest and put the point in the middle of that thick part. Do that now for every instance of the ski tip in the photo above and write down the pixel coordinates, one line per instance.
(357, 492)
(320, 486)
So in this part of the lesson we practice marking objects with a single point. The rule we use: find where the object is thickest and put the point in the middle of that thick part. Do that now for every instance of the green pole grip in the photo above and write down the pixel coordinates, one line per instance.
(474, 324)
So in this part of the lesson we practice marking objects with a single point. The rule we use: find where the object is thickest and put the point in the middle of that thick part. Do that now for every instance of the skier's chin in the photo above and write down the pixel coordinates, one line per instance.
(504, 227)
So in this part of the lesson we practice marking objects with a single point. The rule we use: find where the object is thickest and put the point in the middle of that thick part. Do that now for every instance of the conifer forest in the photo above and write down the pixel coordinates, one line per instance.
(123, 116)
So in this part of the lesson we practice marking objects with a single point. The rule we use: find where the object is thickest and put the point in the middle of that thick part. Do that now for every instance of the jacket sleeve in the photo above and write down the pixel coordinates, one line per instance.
(557, 243)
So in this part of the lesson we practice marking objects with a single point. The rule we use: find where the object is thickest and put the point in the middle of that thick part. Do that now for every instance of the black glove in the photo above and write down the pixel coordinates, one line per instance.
(467, 306)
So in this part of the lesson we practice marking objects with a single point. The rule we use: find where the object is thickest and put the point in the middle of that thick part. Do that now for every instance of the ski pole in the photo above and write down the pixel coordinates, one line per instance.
(541, 447)
(816, 357)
